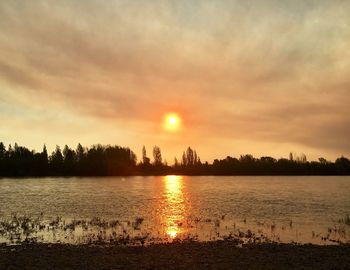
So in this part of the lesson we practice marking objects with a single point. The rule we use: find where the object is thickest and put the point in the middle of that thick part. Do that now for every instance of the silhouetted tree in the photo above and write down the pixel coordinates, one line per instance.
(80, 152)
(116, 160)
(195, 157)
(69, 160)
(10, 151)
(189, 157)
(68, 154)
(342, 165)
(303, 158)
(184, 160)
(157, 156)
(291, 156)
(176, 163)
(56, 161)
(322, 160)
(44, 154)
(2, 151)
(42, 162)
(190, 162)
(145, 159)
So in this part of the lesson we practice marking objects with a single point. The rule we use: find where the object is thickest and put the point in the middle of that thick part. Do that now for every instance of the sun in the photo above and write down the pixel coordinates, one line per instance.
(172, 122)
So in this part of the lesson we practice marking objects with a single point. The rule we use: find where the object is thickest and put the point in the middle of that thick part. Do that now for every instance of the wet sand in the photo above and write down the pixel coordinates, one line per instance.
(191, 255)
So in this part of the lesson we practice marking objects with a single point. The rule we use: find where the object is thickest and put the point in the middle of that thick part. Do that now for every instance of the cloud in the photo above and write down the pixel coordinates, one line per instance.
(263, 72)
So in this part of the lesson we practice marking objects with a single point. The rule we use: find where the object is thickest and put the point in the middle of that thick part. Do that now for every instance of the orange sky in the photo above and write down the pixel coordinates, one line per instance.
(259, 77)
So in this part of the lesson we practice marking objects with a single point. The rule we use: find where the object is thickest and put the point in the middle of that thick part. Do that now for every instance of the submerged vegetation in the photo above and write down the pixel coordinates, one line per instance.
(24, 229)
(100, 160)
(345, 220)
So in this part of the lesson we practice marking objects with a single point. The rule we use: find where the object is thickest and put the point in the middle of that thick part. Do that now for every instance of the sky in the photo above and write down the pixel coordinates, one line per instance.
(258, 77)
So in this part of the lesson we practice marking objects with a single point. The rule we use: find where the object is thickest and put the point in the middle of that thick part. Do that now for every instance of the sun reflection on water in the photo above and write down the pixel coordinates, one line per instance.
(175, 205)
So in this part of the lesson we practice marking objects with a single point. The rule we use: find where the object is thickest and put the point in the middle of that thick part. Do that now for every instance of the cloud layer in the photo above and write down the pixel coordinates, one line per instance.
(247, 76)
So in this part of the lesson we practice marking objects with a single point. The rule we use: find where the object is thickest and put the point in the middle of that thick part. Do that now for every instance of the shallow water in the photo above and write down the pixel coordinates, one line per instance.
(303, 209)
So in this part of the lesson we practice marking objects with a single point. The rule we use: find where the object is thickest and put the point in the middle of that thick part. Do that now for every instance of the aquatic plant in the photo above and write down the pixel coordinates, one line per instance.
(345, 220)
(24, 229)
(137, 223)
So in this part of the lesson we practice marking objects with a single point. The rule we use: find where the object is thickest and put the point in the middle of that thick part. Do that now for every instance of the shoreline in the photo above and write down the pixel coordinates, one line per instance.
(182, 255)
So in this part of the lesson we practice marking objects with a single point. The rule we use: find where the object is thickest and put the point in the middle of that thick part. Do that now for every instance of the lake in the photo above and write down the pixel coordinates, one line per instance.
(303, 209)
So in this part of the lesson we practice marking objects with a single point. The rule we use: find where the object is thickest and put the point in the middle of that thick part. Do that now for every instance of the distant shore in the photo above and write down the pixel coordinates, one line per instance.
(188, 255)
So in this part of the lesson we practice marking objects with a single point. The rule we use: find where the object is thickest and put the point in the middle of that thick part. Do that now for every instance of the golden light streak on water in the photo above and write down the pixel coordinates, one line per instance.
(174, 212)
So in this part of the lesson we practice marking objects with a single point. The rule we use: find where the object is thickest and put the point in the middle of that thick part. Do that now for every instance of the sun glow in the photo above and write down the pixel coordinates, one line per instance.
(172, 122)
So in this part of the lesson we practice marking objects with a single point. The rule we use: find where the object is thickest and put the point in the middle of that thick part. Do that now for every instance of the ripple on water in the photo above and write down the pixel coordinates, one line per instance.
(174, 207)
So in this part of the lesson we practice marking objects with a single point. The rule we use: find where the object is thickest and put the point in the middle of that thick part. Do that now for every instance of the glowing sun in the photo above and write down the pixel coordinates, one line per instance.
(172, 122)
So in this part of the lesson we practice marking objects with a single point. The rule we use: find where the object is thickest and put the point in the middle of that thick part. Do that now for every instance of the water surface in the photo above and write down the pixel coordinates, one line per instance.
(287, 209)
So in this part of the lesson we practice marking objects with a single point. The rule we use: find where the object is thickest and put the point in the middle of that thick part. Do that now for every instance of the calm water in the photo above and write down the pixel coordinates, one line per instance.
(300, 209)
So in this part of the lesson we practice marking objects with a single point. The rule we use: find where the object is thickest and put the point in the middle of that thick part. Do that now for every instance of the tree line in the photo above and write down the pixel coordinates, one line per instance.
(100, 160)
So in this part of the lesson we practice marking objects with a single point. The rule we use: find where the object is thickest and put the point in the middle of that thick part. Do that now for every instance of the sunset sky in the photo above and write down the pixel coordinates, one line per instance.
(259, 77)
